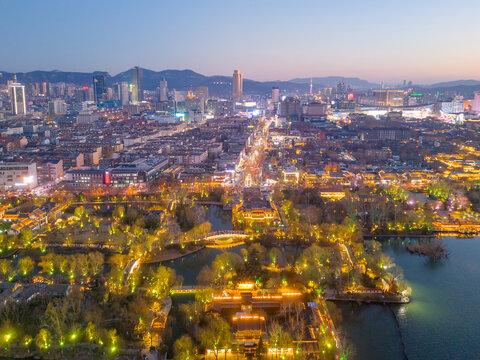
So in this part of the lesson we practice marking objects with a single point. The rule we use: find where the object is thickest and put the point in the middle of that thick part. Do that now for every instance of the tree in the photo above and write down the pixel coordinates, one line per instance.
(216, 335)
(118, 213)
(55, 319)
(204, 296)
(278, 338)
(6, 269)
(261, 349)
(184, 349)
(26, 236)
(26, 265)
(43, 339)
(162, 281)
(95, 262)
(113, 339)
(79, 211)
(47, 263)
(223, 267)
(274, 255)
(91, 332)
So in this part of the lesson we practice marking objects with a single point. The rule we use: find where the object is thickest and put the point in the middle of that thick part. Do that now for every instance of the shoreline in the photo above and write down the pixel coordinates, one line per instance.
(172, 254)
(404, 346)
(434, 234)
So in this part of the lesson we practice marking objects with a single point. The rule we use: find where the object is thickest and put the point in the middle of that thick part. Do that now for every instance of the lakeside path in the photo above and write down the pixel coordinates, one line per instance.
(368, 296)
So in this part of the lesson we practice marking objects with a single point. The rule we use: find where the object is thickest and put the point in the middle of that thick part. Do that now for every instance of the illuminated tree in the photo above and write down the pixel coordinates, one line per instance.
(91, 332)
(25, 265)
(216, 336)
(274, 254)
(113, 340)
(184, 349)
(204, 296)
(278, 338)
(79, 212)
(55, 319)
(46, 263)
(6, 269)
(43, 340)
(162, 281)
(119, 213)
(95, 262)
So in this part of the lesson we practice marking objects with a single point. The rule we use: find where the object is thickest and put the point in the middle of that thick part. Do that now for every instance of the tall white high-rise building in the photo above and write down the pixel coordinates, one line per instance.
(163, 90)
(275, 94)
(476, 103)
(237, 90)
(122, 93)
(17, 97)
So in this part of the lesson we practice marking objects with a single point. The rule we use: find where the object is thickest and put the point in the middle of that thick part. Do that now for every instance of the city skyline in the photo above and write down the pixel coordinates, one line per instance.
(424, 42)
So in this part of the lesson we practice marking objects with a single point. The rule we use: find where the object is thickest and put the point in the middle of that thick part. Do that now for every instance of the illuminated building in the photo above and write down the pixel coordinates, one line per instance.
(18, 176)
(332, 194)
(194, 108)
(237, 90)
(163, 90)
(388, 97)
(256, 208)
(17, 97)
(341, 92)
(455, 106)
(415, 99)
(99, 88)
(275, 94)
(476, 103)
(291, 175)
(122, 93)
(138, 172)
(137, 85)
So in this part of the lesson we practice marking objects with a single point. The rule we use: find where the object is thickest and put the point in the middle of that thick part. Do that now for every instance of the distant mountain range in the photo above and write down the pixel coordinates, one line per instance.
(184, 80)
(332, 81)
(218, 85)
(447, 84)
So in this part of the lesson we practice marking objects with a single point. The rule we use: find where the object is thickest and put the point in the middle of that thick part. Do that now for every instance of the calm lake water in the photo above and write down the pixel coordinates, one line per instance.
(441, 322)
(220, 219)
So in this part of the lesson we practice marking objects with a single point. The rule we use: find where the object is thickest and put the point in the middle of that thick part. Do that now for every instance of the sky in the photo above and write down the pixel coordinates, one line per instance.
(378, 40)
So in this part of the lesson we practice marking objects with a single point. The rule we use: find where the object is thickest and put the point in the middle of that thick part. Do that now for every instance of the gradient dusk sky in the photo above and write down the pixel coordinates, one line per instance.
(419, 40)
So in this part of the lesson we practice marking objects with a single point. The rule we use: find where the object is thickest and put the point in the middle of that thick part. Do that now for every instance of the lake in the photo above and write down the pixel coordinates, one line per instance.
(441, 322)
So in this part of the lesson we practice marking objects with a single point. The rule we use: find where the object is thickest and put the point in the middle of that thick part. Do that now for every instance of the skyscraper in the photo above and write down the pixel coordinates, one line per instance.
(341, 91)
(17, 97)
(124, 93)
(121, 93)
(237, 86)
(476, 103)
(202, 93)
(163, 90)
(275, 94)
(137, 84)
(99, 88)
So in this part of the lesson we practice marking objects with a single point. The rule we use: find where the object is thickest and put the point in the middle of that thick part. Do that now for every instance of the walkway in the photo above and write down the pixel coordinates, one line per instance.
(130, 268)
(187, 289)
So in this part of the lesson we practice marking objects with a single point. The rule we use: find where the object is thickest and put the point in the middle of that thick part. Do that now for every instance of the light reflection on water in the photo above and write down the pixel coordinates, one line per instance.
(441, 322)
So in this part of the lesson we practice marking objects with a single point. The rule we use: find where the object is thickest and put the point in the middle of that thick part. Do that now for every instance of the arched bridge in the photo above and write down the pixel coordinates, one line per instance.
(234, 234)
